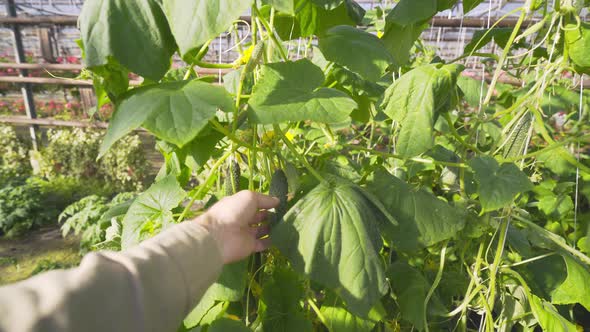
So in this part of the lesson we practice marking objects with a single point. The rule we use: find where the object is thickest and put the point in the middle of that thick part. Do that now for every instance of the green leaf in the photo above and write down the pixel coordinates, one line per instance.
(135, 33)
(473, 90)
(548, 317)
(231, 283)
(205, 312)
(195, 22)
(357, 50)
(315, 20)
(399, 40)
(576, 287)
(328, 4)
(578, 43)
(408, 12)
(339, 319)
(498, 185)
(290, 91)
(413, 101)
(226, 324)
(423, 219)
(152, 209)
(469, 5)
(280, 310)
(175, 112)
(483, 37)
(331, 235)
(410, 288)
(285, 6)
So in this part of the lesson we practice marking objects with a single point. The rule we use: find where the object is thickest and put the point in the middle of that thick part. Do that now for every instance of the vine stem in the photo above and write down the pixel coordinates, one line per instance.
(435, 284)
(199, 192)
(318, 313)
(416, 159)
(297, 154)
(494, 268)
(457, 136)
(271, 34)
(213, 65)
(504, 55)
(555, 239)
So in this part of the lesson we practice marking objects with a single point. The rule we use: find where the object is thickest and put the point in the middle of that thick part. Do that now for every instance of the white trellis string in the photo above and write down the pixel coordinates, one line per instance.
(576, 198)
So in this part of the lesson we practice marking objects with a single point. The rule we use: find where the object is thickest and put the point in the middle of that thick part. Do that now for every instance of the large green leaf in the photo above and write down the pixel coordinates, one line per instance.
(404, 24)
(135, 33)
(473, 90)
(290, 91)
(423, 219)
(331, 235)
(151, 210)
(357, 50)
(498, 185)
(469, 5)
(339, 319)
(175, 112)
(280, 310)
(576, 287)
(548, 316)
(413, 101)
(578, 44)
(194, 22)
(315, 20)
(285, 6)
(408, 12)
(410, 288)
(399, 40)
(483, 37)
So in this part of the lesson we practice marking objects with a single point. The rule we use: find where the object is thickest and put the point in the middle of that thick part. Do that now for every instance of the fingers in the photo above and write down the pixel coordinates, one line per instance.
(259, 217)
(266, 202)
(260, 231)
(262, 244)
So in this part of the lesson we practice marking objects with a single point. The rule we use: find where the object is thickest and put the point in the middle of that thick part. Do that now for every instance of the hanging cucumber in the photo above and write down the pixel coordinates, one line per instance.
(232, 178)
(517, 139)
(279, 188)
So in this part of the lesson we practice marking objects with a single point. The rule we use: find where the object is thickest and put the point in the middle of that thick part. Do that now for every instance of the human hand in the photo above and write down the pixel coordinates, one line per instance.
(234, 224)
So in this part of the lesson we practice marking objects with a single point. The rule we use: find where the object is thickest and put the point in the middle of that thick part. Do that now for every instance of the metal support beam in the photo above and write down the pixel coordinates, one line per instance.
(26, 89)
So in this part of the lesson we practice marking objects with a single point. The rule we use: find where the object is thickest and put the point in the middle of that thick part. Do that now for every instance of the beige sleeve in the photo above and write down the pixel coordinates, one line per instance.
(151, 287)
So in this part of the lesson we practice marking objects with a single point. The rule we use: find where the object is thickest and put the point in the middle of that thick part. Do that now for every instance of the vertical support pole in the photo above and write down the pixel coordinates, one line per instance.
(26, 89)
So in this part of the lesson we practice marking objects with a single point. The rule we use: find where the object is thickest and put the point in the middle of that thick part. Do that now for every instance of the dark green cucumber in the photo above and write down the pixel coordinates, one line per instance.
(232, 178)
(279, 188)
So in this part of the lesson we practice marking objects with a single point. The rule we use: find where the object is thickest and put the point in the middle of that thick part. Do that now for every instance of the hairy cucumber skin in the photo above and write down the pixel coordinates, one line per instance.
(232, 178)
(516, 141)
(255, 58)
(279, 188)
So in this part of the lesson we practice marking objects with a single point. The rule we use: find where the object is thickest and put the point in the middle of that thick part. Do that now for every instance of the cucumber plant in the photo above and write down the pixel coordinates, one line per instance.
(413, 197)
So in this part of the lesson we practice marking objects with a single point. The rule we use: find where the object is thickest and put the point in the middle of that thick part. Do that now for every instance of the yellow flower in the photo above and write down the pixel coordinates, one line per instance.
(379, 34)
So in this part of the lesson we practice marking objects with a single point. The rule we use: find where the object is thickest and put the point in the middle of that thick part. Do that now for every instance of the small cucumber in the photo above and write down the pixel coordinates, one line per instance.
(279, 188)
(517, 139)
(232, 178)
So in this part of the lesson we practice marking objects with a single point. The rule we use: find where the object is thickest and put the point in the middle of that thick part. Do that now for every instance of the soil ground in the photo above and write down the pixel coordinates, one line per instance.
(38, 251)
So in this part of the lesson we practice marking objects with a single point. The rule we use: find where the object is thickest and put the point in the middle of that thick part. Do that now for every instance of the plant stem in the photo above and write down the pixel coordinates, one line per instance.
(458, 137)
(203, 186)
(437, 280)
(558, 240)
(502, 59)
(494, 268)
(298, 155)
(416, 159)
(318, 313)
(272, 35)
(213, 65)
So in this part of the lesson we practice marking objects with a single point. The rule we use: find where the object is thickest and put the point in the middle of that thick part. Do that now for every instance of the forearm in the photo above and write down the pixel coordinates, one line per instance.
(148, 288)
